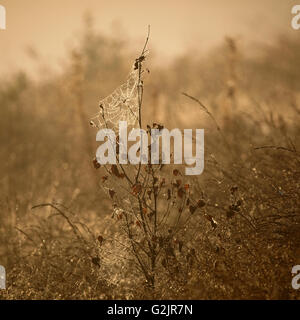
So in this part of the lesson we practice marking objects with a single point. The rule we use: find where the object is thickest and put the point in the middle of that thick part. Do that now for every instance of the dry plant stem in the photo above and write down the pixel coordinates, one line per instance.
(145, 226)
(74, 228)
(276, 148)
(25, 234)
(210, 115)
(137, 256)
(78, 94)
(281, 148)
(141, 91)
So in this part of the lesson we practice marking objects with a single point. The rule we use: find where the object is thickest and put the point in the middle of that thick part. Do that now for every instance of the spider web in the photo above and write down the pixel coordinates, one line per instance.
(121, 105)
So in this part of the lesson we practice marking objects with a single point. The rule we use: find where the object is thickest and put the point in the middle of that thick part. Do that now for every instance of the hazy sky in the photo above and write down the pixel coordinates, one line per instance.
(50, 26)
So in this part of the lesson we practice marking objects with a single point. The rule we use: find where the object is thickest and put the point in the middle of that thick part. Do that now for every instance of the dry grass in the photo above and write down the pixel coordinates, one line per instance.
(233, 232)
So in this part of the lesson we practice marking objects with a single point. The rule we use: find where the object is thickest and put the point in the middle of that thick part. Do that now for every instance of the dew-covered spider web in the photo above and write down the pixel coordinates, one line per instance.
(122, 104)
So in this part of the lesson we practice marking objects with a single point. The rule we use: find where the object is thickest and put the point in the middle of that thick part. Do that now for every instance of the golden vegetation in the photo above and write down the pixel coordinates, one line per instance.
(232, 232)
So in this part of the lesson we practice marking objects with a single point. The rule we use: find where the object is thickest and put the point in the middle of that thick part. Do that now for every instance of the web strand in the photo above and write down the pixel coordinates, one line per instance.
(121, 105)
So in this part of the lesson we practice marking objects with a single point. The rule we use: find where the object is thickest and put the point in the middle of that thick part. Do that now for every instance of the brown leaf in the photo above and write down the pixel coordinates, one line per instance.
(212, 221)
(233, 189)
(154, 238)
(192, 209)
(239, 202)
(230, 214)
(100, 239)
(169, 251)
(177, 183)
(96, 261)
(111, 193)
(186, 186)
(120, 216)
(136, 189)
(104, 178)
(157, 126)
(138, 223)
(234, 207)
(96, 164)
(176, 172)
(201, 203)
(115, 171)
(181, 193)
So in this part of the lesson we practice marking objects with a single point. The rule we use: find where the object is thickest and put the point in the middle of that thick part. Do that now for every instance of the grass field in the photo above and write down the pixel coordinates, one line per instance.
(231, 233)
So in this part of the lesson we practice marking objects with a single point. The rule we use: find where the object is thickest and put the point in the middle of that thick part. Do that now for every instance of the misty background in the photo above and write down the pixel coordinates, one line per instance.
(44, 29)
